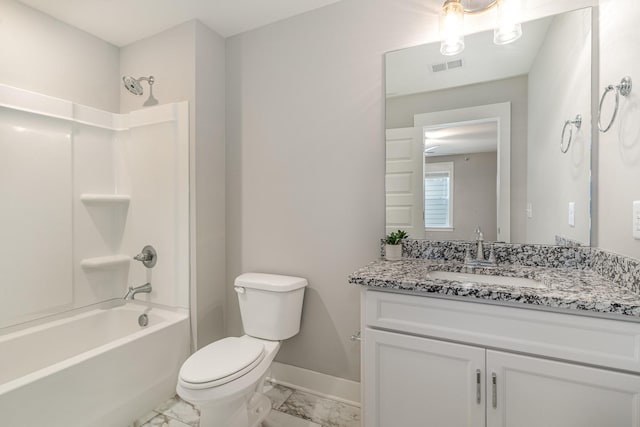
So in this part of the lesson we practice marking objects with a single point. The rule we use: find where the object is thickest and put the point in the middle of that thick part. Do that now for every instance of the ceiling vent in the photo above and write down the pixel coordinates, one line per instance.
(436, 68)
(454, 64)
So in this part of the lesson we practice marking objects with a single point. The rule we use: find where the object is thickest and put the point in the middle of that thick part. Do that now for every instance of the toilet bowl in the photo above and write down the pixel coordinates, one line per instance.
(224, 380)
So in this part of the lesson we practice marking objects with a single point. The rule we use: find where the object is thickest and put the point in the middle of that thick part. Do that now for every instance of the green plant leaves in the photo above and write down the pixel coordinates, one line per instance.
(395, 237)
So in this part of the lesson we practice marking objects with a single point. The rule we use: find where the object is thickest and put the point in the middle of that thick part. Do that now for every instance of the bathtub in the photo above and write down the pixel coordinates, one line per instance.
(97, 368)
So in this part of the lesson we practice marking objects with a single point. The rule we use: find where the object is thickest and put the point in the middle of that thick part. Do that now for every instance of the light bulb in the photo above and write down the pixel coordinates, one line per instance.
(451, 28)
(509, 28)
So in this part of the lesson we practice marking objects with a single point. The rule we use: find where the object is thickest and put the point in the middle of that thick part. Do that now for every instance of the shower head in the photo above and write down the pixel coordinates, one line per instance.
(133, 85)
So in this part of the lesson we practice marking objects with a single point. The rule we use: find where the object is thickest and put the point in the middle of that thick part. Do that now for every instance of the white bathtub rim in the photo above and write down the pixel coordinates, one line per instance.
(170, 317)
(171, 314)
(65, 315)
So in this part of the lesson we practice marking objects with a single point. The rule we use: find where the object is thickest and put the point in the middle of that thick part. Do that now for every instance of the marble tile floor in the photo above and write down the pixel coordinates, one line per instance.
(290, 408)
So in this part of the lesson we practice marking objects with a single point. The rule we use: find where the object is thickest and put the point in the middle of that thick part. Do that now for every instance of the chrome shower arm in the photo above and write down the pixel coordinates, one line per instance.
(151, 80)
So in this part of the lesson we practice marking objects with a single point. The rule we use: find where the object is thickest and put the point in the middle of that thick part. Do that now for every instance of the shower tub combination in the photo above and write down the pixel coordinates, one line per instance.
(72, 352)
(97, 368)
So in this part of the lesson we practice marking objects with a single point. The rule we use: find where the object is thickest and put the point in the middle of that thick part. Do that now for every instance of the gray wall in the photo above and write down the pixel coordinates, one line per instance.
(474, 196)
(619, 149)
(187, 62)
(42, 54)
(305, 157)
(168, 56)
(400, 111)
(554, 98)
(210, 173)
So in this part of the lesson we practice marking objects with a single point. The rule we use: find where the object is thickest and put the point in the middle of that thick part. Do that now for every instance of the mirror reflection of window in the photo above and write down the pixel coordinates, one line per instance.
(438, 195)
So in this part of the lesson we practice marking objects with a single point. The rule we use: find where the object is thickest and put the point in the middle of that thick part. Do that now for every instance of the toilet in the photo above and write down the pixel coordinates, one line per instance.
(224, 380)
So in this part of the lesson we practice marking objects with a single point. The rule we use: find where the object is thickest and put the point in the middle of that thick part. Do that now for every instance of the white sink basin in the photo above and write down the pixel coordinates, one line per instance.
(516, 282)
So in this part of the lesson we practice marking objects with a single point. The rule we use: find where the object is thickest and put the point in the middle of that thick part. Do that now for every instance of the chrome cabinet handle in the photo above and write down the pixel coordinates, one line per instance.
(478, 387)
(494, 390)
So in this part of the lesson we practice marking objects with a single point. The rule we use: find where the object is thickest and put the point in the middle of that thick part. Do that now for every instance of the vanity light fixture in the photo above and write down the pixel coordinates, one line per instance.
(451, 28)
(508, 27)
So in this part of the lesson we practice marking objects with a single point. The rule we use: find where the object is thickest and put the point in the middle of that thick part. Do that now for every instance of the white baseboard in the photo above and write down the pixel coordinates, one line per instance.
(322, 385)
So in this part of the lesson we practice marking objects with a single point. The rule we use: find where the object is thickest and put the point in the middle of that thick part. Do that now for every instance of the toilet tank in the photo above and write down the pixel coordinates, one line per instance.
(270, 304)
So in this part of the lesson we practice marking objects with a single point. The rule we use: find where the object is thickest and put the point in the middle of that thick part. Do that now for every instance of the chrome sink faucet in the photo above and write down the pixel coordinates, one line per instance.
(131, 293)
(479, 245)
(479, 259)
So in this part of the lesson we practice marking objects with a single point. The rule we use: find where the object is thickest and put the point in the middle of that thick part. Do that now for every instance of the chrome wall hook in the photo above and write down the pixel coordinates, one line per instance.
(577, 122)
(624, 89)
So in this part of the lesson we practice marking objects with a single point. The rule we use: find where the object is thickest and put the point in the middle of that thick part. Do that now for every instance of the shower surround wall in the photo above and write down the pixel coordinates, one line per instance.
(84, 191)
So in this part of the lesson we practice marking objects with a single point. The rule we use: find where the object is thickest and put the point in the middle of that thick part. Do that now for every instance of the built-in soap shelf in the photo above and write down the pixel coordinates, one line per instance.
(105, 199)
(119, 204)
(105, 262)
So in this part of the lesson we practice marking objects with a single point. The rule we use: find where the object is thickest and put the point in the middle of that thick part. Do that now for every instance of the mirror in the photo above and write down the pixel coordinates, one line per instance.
(478, 139)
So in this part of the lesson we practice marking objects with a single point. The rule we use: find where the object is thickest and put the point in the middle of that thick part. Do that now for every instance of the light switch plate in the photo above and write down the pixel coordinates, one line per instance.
(636, 220)
(572, 214)
(529, 210)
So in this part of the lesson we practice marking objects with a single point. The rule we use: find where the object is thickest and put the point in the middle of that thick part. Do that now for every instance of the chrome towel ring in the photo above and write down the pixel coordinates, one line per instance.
(577, 122)
(624, 89)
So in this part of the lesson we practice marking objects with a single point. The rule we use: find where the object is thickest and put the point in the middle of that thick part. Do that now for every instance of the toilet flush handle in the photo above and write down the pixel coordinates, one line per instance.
(240, 289)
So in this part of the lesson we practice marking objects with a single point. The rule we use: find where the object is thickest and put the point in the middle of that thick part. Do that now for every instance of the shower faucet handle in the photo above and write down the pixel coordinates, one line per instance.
(148, 256)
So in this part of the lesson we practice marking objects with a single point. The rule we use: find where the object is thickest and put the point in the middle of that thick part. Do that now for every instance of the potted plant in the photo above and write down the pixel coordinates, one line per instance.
(393, 245)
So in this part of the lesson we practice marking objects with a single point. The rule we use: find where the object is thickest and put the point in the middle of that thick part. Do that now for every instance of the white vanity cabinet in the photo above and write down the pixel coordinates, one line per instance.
(414, 381)
(437, 362)
(537, 392)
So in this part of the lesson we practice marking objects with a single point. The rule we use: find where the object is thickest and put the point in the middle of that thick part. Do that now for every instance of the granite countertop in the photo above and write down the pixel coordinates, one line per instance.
(566, 288)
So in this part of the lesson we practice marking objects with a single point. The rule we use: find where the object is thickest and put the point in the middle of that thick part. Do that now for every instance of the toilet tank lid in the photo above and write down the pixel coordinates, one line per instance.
(270, 282)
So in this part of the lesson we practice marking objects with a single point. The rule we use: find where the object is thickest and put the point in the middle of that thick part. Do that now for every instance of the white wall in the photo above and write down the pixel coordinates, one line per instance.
(152, 167)
(98, 230)
(555, 97)
(56, 59)
(400, 111)
(619, 149)
(187, 62)
(42, 54)
(50, 163)
(305, 157)
(36, 188)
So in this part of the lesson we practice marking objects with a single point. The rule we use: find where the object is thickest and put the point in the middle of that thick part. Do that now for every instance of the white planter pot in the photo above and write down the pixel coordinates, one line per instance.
(393, 252)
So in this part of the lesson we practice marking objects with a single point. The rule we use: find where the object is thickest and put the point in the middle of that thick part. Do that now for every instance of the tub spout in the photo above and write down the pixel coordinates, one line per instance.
(131, 293)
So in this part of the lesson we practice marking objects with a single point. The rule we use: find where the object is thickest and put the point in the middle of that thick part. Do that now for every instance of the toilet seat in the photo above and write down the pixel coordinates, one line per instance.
(221, 362)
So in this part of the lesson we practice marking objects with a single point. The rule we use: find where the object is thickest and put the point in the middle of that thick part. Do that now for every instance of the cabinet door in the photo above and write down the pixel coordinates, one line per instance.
(532, 392)
(414, 381)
